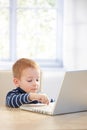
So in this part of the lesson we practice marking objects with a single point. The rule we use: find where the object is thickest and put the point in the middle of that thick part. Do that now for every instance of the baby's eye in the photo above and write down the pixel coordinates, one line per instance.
(37, 80)
(29, 80)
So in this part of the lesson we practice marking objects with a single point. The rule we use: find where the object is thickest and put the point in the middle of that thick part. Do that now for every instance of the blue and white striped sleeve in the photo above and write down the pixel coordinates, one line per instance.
(16, 100)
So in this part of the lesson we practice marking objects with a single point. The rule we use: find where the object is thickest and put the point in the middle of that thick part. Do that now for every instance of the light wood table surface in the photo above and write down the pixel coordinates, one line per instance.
(16, 119)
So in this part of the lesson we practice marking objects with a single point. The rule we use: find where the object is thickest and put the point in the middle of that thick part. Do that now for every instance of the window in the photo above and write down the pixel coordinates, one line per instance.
(31, 29)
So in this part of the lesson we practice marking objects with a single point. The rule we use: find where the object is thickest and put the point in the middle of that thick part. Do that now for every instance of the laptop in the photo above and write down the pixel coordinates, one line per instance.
(71, 96)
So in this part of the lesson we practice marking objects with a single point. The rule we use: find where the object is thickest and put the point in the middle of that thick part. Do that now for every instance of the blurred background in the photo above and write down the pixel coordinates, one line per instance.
(52, 32)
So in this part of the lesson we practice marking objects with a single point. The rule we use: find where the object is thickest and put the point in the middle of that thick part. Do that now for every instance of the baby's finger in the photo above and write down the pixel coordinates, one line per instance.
(46, 100)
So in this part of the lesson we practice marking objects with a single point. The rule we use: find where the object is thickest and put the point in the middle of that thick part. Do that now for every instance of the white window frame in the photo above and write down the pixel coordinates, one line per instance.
(58, 62)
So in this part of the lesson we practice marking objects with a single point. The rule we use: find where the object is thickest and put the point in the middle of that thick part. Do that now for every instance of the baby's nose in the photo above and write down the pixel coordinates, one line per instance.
(34, 82)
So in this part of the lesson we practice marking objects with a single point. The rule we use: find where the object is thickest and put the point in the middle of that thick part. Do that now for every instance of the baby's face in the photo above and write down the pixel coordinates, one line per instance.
(30, 80)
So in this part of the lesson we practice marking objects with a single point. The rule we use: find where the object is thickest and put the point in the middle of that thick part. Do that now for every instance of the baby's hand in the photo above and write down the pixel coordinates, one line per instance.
(39, 97)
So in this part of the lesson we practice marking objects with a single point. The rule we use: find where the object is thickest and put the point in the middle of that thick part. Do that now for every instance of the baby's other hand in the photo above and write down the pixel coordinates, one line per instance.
(43, 98)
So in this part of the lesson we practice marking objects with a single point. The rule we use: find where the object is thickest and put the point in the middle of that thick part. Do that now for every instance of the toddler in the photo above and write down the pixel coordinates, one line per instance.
(26, 77)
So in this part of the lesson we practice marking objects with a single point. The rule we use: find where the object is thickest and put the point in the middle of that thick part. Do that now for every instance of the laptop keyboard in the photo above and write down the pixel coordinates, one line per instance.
(46, 109)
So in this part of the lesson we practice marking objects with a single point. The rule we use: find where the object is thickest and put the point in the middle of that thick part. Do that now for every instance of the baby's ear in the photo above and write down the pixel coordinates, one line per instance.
(16, 82)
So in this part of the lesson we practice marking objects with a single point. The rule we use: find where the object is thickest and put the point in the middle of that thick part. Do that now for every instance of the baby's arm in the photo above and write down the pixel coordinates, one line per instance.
(39, 97)
(15, 99)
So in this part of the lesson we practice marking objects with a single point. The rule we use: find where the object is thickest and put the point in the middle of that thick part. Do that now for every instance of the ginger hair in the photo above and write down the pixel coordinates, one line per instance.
(22, 64)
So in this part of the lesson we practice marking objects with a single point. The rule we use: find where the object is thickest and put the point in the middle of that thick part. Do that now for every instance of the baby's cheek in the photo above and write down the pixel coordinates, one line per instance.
(28, 89)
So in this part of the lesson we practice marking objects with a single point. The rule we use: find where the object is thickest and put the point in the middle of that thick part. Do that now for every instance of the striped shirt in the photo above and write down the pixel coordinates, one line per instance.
(17, 97)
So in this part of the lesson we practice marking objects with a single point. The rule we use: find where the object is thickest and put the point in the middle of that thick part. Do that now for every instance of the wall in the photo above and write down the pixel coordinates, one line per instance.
(51, 81)
(75, 34)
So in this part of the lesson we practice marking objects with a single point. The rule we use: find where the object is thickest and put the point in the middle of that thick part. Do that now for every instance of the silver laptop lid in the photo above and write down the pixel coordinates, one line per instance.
(72, 95)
